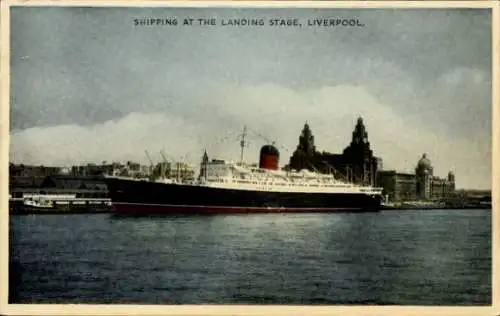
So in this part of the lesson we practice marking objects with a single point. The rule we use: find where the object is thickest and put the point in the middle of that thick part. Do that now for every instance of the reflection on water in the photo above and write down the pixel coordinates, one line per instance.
(409, 257)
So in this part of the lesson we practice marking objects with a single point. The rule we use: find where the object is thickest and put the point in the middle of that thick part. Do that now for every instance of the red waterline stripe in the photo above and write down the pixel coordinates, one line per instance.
(200, 209)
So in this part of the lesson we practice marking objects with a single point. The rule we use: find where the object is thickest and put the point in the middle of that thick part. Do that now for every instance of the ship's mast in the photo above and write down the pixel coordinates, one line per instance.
(243, 143)
(271, 142)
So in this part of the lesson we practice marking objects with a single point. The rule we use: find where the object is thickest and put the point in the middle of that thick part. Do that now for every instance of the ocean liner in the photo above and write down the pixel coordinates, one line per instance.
(228, 187)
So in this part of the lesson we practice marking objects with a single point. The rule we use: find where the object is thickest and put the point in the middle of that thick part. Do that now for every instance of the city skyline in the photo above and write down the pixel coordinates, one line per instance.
(421, 87)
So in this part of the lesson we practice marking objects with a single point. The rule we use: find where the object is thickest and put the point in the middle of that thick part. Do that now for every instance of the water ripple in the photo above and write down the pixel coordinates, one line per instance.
(393, 258)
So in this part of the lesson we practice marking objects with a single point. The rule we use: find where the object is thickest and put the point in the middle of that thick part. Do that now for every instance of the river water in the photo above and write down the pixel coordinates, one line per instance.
(410, 257)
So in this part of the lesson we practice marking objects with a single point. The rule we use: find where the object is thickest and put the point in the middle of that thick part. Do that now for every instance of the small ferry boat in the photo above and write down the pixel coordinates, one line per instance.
(61, 203)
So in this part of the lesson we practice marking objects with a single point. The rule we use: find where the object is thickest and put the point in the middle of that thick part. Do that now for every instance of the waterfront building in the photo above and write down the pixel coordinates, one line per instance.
(82, 186)
(70, 182)
(183, 171)
(128, 169)
(21, 175)
(304, 155)
(93, 169)
(356, 164)
(398, 186)
(422, 185)
(430, 187)
(442, 187)
(175, 170)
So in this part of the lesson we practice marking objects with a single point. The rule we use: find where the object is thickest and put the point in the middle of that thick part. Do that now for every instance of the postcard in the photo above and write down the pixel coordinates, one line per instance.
(249, 157)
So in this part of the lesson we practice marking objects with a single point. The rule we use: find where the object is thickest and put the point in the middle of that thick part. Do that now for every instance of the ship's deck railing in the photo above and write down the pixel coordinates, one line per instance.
(281, 182)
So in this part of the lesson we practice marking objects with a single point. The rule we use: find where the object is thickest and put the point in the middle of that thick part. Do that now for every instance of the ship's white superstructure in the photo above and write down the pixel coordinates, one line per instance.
(229, 175)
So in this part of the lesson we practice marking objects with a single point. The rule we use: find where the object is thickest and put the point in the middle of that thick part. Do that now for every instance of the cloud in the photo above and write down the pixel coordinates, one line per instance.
(274, 111)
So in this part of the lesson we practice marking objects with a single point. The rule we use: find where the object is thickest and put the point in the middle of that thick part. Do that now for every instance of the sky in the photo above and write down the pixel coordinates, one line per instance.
(89, 85)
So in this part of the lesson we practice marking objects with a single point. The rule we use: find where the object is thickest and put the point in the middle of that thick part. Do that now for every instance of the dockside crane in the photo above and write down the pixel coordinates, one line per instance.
(163, 156)
(269, 141)
(151, 165)
(164, 164)
(178, 164)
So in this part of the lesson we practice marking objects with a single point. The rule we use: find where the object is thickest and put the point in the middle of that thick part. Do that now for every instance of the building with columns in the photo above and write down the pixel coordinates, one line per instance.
(429, 186)
(421, 185)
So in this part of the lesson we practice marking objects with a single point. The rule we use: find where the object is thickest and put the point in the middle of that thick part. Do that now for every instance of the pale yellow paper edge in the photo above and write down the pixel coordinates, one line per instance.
(62, 309)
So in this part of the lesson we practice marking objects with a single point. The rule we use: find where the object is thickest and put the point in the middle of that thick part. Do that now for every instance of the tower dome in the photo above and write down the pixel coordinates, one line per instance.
(451, 176)
(424, 163)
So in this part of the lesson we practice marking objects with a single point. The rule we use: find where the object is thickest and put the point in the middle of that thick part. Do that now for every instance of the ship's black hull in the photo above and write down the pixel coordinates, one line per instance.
(144, 197)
